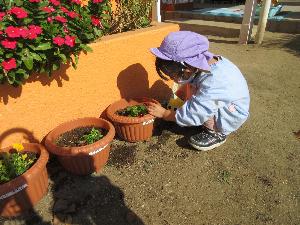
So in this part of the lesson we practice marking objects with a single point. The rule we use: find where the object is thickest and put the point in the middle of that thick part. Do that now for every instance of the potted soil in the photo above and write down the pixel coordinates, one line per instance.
(131, 119)
(82, 146)
(23, 177)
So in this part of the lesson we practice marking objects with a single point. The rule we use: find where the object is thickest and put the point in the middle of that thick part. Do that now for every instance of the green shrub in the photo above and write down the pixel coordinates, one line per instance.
(131, 15)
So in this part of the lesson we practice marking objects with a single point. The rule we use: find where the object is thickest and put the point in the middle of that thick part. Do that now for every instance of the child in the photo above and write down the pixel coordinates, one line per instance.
(221, 99)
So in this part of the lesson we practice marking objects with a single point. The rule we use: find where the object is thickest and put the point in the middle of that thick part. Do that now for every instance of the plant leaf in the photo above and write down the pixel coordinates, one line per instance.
(43, 46)
(28, 61)
(86, 48)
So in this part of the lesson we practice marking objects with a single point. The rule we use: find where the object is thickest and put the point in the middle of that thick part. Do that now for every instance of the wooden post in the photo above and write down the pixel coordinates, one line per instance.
(248, 20)
(156, 17)
(263, 18)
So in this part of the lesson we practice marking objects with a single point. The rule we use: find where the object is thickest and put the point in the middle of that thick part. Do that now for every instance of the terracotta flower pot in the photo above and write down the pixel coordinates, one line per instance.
(131, 129)
(86, 159)
(23, 192)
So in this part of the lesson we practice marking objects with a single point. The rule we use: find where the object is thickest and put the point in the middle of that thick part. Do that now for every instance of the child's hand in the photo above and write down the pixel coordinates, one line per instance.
(160, 112)
(156, 109)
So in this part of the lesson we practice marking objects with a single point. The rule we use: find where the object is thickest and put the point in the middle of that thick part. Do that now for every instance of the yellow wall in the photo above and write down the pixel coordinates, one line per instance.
(120, 66)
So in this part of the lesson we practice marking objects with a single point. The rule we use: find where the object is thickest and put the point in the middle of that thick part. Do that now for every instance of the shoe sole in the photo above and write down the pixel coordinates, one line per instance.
(207, 148)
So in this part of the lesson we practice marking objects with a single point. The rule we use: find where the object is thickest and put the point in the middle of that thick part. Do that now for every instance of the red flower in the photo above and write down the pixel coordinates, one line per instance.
(35, 1)
(70, 40)
(23, 32)
(35, 29)
(2, 14)
(78, 2)
(9, 44)
(97, 1)
(12, 32)
(61, 19)
(96, 21)
(55, 2)
(9, 64)
(72, 14)
(31, 34)
(48, 9)
(49, 19)
(64, 9)
(18, 12)
(58, 40)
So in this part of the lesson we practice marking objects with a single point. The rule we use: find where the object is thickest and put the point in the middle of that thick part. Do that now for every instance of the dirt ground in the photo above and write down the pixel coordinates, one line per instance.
(252, 179)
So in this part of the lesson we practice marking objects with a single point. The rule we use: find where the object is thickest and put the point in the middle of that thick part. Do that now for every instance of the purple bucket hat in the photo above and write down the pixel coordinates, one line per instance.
(185, 46)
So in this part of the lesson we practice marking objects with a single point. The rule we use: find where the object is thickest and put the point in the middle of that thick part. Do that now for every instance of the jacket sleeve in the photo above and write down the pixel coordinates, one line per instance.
(200, 107)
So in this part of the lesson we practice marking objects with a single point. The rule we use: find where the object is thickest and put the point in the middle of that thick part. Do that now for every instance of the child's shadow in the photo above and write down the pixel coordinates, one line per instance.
(163, 129)
(133, 82)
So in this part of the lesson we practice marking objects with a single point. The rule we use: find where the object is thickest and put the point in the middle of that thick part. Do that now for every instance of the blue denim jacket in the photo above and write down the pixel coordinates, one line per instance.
(223, 93)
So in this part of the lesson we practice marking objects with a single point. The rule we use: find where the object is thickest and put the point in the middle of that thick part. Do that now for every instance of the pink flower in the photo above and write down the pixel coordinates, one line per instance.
(58, 40)
(48, 9)
(49, 19)
(78, 2)
(23, 32)
(18, 12)
(31, 34)
(64, 9)
(2, 14)
(70, 40)
(72, 14)
(35, 29)
(96, 21)
(12, 32)
(55, 2)
(35, 1)
(97, 1)
(9, 64)
(61, 19)
(9, 44)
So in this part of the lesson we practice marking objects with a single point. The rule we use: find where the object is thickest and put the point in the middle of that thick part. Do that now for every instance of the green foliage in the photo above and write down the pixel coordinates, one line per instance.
(133, 111)
(93, 136)
(14, 164)
(48, 34)
(131, 15)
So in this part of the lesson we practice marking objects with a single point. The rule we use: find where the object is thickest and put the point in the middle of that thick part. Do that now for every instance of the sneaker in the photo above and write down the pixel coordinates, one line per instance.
(207, 139)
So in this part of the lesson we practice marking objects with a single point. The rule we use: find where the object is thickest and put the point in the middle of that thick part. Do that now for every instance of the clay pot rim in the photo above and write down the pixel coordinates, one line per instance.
(111, 112)
(86, 149)
(38, 165)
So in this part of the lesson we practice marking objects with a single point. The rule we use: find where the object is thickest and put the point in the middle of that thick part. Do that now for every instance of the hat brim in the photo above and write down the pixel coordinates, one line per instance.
(199, 62)
(159, 54)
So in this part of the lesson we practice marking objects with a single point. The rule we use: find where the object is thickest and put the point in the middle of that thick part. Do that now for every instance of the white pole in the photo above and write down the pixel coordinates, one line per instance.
(156, 16)
(248, 20)
(263, 17)
(158, 11)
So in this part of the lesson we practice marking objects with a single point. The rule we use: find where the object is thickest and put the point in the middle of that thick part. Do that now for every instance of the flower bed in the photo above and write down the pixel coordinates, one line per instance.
(39, 35)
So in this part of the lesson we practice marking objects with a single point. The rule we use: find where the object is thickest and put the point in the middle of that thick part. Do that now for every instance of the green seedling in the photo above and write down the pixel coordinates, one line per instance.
(133, 111)
(92, 137)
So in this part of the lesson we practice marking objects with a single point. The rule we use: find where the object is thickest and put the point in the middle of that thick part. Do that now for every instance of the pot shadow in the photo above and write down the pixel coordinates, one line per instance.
(133, 83)
(7, 91)
(28, 136)
(90, 199)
